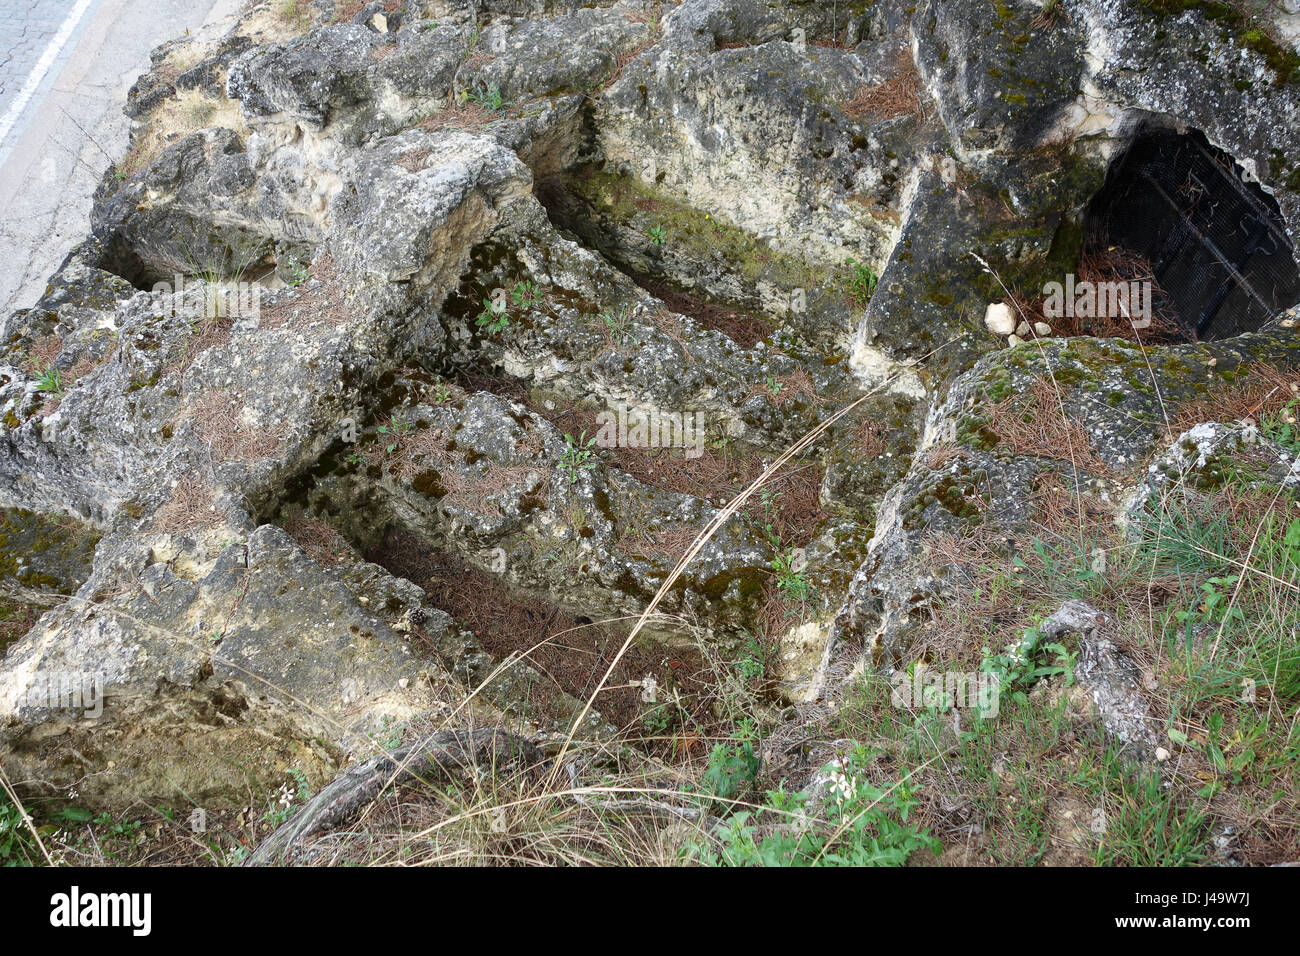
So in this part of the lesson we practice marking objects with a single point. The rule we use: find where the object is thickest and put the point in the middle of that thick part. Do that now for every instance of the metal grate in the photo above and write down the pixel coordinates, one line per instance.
(1216, 243)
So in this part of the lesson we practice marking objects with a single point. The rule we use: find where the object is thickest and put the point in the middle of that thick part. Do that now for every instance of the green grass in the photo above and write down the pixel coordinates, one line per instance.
(856, 823)
(489, 98)
(18, 846)
(578, 456)
(861, 282)
(1145, 826)
(50, 382)
(1206, 585)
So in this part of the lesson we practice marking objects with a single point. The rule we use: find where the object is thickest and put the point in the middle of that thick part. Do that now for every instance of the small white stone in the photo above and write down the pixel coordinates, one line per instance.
(1162, 754)
(403, 683)
(1014, 340)
(1043, 329)
(1023, 330)
(999, 319)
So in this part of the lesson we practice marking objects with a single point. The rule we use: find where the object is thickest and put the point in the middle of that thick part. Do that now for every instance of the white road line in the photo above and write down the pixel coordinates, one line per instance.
(43, 66)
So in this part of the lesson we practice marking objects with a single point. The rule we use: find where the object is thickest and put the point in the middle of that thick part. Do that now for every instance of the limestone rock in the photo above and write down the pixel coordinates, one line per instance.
(999, 318)
(384, 274)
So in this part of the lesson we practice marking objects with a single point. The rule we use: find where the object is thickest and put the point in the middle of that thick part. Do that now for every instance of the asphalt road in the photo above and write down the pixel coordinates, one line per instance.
(65, 68)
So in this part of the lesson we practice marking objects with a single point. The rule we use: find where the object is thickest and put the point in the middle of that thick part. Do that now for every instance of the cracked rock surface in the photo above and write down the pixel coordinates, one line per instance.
(424, 254)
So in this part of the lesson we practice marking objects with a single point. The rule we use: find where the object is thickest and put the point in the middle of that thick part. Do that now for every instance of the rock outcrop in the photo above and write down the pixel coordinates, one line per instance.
(421, 252)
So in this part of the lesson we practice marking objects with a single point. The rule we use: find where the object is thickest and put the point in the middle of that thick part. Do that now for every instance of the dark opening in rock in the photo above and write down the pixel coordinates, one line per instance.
(148, 258)
(120, 259)
(1215, 242)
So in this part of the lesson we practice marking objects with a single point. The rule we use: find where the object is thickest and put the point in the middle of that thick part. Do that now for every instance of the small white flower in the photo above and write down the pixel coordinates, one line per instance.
(649, 689)
(284, 796)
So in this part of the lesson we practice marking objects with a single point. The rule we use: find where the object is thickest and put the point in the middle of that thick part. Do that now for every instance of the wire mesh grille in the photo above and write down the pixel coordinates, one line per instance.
(1216, 243)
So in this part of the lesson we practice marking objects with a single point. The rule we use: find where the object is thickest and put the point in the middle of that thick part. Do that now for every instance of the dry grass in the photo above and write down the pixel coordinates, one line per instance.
(317, 537)
(1053, 12)
(1240, 510)
(1102, 262)
(619, 342)
(477, 58)
(715, 475)
(1259, 392)
(49, 406)
(176, 117)
(900, 95)
(791, 503)
(670, 324)
(424, 448)
(663, 543)
(475, 492)
(869, 439)
(510, 815)
(568, 649)
(1151, 577)
(624, 56)
(1005, 794)
(744, 329)
(345, 10)
(42, 353)
(296, 14)
(788, 388)
(15, 621)
(85, 366)
(943, 454)
(506, 818)
(650, 15)
(988, 599)
(324, 303)
(425, 452)
(218, 413)
(464, 115)
(781, 612)
(1035, 424)
(211, 333)
(1238, 529)
(413, 160)
(1061, 509)
(192, 506)
(1017, 790)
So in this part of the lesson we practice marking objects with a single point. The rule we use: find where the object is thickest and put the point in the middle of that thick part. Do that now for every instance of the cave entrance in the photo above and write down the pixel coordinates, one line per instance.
(1216, 243)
